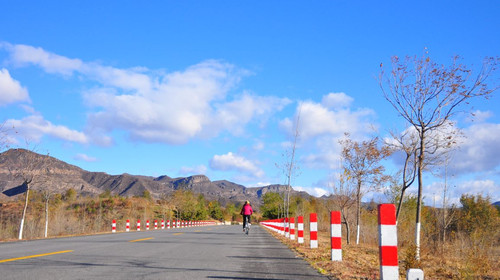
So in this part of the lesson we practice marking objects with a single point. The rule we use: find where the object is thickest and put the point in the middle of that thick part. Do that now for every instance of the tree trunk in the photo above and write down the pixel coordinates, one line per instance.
(419, 197)
(21, 226)
(445, 205)
(358, 212)
(444, 224)
(46, 217)
(348, 232)
(400, 203)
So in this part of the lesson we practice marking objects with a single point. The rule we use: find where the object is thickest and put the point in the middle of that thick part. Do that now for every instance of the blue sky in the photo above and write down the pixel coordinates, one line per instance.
(180, 88)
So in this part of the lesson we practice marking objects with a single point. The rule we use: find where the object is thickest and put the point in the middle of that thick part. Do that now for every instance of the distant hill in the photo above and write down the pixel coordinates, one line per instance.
(497, 204)
(58, 176)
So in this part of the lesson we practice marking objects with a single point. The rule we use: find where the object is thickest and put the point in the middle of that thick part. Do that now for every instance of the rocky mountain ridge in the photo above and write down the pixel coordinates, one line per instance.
(57, 176)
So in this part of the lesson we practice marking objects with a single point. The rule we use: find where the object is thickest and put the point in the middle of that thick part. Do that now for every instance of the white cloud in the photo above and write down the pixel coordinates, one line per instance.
(234, 115)
(476, 150)
(177, 110)
(321, 125)
(196, 170)
(479, 151)
(11, 90)
(314, 191)
(484, 187)
(317, 120)
(259, 184)
(128, 79)
(232, 162)
(434, 192)
(35, 126)
(152, 106)
(480, 116)
(135, 80)
(328, 159)
(337, 100)
(184, 105)
(85, 157)
(51, 63)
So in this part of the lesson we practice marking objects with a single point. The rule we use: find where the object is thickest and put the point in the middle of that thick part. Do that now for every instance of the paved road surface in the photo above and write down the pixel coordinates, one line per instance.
(213, 252)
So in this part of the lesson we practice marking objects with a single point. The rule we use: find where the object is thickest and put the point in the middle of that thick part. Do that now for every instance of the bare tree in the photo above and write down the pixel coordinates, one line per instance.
(25, 165)
(361, 164)
(344, 198)
(46, 194)
(448, 212)
(290, 167)
(427, 95)
(42, 177)
(26, 183)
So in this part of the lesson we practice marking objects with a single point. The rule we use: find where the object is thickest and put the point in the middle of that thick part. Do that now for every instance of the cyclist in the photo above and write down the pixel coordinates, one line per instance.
(246, 211)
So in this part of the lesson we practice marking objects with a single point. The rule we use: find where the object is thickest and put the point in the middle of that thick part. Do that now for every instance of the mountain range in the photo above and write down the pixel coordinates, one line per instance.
(57, 176)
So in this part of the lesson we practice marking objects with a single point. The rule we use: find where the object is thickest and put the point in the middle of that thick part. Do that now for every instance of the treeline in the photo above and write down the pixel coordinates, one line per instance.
(70, 214)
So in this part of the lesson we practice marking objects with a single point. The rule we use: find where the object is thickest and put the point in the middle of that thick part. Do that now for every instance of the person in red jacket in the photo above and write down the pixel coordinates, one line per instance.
(246, 211)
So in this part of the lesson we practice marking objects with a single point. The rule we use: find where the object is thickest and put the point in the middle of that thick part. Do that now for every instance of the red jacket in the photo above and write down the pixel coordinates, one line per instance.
(246, 210)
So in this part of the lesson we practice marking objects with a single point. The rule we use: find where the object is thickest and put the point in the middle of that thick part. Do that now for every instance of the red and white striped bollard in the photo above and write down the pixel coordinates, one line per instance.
(313, 230)
(388, 242)
(300, 229)
(336, 235)
(127, 226)
(113, 226)
(287, 227)
(292, 228)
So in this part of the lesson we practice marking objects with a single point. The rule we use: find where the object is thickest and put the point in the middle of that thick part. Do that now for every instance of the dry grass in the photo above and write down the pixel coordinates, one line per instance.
(84, 216)
(361, 261)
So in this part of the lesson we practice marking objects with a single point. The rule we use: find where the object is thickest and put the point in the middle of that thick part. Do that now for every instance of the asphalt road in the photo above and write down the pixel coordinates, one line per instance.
(212, 252)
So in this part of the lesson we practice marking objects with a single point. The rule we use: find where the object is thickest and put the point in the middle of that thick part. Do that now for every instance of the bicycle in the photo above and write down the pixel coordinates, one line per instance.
(247, 225)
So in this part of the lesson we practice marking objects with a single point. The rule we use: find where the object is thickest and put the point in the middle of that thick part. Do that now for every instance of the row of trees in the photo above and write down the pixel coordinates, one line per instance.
(29, 169)
(69, 213)
(426, 95)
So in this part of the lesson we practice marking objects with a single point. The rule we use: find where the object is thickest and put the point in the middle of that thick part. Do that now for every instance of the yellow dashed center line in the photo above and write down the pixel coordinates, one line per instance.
(35, 256)
(137, 240)
(179, 233)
